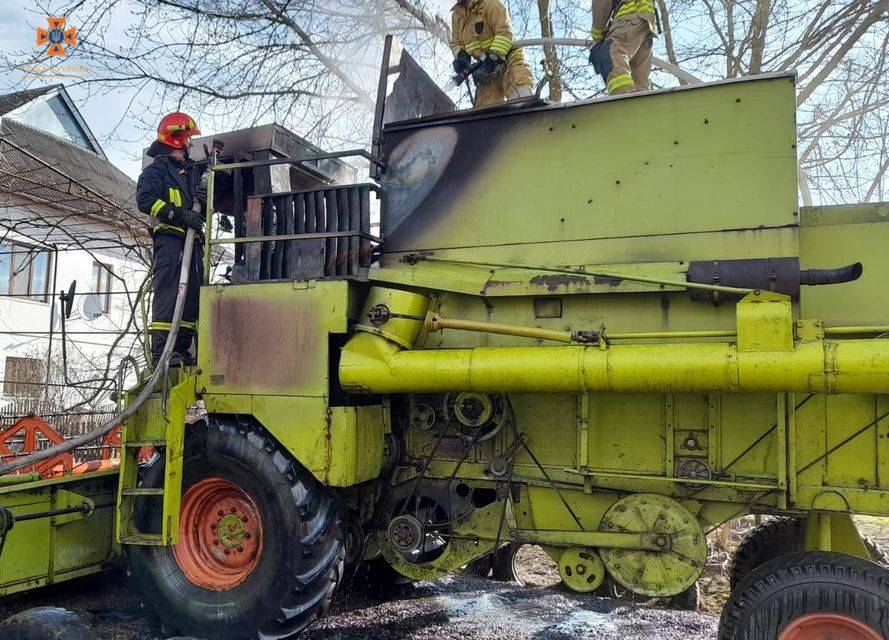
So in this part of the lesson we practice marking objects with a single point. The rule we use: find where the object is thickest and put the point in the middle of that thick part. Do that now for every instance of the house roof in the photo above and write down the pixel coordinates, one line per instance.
(12, 101)
(75, 179)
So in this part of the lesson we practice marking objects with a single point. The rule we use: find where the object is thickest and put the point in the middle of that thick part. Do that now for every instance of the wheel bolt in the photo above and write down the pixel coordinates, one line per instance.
(213, 526)
(581, 569)
(216, 542)
(221, 513)
(243, 518)
(233, 510)
(240, 549)
(247, 536)
(227, 551)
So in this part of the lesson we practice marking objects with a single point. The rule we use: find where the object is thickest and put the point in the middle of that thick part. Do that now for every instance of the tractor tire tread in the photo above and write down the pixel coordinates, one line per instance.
(316, 564)
(767, 540)
(780, 590)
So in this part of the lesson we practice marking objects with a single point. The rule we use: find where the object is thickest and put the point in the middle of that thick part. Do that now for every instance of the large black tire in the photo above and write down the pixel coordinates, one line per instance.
(777, 537)
(301, 560)
(784, 590)
(45, 623)
(768, 540)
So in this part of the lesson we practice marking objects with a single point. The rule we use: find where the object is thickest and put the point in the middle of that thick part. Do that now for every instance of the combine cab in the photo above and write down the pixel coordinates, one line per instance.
(604, 328)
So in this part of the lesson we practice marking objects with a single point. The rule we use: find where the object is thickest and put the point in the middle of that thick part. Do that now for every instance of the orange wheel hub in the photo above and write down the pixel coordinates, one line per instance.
(220, 539)
(829, 626)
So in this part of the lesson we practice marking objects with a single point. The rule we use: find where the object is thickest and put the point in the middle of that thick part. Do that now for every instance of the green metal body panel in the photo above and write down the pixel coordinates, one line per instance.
(634, 180)
(265, 352)
(50, 550)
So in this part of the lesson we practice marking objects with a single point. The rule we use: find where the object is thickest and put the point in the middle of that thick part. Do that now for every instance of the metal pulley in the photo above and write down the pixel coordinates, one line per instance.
(478, 417)
(582, 569)
(673, 568)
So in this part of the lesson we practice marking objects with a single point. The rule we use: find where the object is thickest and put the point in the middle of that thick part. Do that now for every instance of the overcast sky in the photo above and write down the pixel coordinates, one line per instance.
(105, 112)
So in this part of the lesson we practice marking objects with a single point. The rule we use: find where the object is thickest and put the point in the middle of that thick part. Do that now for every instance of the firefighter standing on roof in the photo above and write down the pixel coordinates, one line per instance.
(480, 30)
(167, 190)
(623, 32)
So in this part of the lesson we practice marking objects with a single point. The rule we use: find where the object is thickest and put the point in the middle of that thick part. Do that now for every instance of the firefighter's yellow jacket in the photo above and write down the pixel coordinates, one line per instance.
(483, 25)
(602, 10)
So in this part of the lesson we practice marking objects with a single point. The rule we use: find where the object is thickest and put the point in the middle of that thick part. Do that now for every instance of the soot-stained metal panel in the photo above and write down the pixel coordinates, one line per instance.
(688, 161)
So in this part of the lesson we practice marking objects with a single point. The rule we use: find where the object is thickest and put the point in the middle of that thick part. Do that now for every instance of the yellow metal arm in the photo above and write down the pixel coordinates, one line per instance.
(765, 358)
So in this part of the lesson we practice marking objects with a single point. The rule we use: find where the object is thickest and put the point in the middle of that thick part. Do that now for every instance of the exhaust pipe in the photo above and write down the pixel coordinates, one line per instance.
(816, 277)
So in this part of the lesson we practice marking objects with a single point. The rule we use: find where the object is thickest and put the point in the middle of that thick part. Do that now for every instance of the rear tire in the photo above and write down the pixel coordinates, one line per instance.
(809, 595)
(766, 541)
(777, 537)
(279, 570)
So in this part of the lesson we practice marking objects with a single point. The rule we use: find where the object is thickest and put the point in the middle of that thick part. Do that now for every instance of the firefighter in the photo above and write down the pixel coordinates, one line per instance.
(623, 33)
(167, 190)
(480, 30)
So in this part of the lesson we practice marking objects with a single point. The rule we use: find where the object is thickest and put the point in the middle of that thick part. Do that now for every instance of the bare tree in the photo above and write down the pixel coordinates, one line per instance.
(312, 65)
(58, 213)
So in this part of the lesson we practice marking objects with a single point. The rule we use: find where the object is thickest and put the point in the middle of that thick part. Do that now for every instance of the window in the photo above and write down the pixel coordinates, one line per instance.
(24, 271)
(102, 286)
(23, 377)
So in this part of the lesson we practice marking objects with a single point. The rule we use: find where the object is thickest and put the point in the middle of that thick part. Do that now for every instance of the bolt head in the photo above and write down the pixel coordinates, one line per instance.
(227, 551)
(213, 526)
(581, 569)
(216, 542)
(221, 513)
(233, 510)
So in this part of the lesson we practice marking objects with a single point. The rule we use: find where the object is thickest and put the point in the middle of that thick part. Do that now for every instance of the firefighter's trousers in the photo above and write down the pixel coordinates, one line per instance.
(516, 82)
(167, 261)
(630, 39)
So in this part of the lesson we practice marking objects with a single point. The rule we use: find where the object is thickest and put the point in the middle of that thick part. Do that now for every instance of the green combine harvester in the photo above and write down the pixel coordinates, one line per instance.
(604, 328)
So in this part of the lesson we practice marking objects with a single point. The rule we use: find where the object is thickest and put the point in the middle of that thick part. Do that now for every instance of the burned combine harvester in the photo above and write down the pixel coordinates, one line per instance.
(604, 354)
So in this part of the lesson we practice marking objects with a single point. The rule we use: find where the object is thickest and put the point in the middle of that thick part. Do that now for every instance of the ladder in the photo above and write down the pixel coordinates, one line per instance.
(159, 423)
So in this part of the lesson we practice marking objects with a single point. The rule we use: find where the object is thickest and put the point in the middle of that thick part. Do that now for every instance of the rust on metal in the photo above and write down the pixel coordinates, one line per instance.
(554, 283)
(221, 539)
(259, 343)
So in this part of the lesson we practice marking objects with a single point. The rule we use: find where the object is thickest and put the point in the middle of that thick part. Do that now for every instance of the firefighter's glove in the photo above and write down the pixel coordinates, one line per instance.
(600, 58)
(490, 70)
(461, 63)
(194, 221)
(177, 216)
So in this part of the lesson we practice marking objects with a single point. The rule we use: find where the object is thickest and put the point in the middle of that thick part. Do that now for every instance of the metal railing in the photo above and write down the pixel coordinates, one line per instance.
(309, 233)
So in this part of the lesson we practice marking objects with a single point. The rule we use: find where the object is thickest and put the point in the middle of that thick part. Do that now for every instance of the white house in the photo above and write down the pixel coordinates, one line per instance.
(67, 215)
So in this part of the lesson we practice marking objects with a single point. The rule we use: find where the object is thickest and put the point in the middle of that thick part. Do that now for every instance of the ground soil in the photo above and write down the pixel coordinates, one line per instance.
(457, 607)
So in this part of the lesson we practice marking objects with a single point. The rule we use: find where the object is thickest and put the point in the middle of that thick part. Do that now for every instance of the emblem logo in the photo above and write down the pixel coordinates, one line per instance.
(57, 37)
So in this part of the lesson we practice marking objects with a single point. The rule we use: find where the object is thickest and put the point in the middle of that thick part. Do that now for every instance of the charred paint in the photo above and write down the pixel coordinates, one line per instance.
(261, 344)
(555, 283)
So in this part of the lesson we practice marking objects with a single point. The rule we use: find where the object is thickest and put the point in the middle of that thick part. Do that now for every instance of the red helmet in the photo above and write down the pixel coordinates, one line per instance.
(176, 128)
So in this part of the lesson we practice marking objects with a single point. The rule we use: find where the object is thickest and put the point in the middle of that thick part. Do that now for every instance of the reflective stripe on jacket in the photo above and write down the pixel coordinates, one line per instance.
(603, 10)
(483, 25)
(166, 181)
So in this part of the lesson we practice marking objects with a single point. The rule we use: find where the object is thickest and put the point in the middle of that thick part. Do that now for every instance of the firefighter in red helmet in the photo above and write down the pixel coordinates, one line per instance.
(167, 190)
